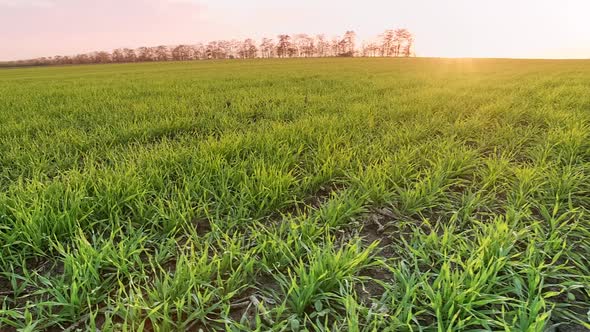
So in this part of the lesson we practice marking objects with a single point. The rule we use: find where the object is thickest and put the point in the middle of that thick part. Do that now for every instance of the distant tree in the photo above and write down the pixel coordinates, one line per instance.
(217, 49)
(304, 44)
(225, 49)
(118, 55)
(198, 51)
(248, 49)
(210, 50)
(404, 42)
(162, 53)
(181, 53)
(348, 43)
(322, 46)
(67, 60)
(335, 46)
(129, 55)
(371, 50)
(234, 47)
(284, 47)
(102, 57)
(298, 42)
(398, 39)
(145, 54)
(43, 61)
(266, 48)
(292, 51)
(398, 42)
(81, 59)
(387, 42)
(58, 59)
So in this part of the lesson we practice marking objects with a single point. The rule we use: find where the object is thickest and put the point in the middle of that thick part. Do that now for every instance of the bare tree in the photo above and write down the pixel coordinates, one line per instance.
(335, 46)
(58, 59)
(266, 48)
(387, 42)
(181, 53)
(248, 49)
(348, 43)
(145, 54)
(322, 46)
(403, 42)
(129, 55)
(43, 61)
(398, 42)
(81, 59)
(217, 50)
(233, 49)
(118, 55)
(371, 50)
(226, 48)
(102, 57)
(162, 53)
(211, 50)
(198, 51)
(299, 43)
(284, 46)
(304, 45)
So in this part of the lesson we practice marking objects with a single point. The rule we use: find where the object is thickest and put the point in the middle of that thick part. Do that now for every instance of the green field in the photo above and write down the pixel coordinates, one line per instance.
(292, 195)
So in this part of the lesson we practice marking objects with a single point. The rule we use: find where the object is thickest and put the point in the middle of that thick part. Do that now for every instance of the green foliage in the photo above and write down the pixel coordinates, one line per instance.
(296, 195)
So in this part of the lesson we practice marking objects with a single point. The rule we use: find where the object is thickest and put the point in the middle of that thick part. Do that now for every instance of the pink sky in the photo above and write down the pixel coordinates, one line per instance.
(463, 28)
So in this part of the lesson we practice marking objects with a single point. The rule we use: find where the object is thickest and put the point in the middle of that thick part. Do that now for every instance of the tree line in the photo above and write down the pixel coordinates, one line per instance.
(391, 43)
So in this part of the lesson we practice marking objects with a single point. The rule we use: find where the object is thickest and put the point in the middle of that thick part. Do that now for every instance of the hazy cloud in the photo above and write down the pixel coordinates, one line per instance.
(502, 28)
(27, 3)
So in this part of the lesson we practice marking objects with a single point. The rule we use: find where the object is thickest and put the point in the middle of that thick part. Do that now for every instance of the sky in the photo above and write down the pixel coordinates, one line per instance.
(442, 28)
